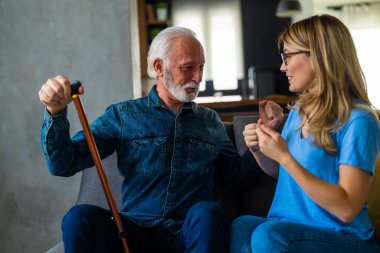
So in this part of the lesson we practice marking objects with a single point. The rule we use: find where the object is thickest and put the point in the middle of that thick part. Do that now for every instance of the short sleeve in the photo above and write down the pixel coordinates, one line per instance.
(358, 141)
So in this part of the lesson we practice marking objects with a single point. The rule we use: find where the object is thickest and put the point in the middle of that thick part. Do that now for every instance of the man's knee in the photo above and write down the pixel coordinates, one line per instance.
(78, 217)
(207, 211)
(206, 228)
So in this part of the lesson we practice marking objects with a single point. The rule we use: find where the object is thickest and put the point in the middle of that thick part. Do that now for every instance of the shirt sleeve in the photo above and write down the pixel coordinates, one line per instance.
(56, 144)
(65, 156)
(358, 141)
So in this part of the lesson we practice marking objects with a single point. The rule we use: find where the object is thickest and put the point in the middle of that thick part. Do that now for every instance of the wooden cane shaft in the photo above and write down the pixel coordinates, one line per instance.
(100, 169)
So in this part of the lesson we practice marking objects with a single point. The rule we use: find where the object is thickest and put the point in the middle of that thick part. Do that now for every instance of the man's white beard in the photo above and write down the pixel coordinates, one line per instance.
(179, 91)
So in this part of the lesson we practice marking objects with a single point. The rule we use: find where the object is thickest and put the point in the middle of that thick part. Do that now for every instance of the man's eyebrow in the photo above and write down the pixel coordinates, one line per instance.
(193, 62)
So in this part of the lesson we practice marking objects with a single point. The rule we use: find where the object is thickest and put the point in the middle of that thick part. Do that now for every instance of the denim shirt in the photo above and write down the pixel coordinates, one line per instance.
(166, 159)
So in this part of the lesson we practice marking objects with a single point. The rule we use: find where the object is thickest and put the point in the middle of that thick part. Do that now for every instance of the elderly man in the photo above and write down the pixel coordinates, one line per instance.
(166, 146)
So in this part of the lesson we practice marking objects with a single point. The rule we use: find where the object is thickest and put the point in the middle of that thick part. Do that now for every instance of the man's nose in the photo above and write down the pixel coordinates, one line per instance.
(198, 75)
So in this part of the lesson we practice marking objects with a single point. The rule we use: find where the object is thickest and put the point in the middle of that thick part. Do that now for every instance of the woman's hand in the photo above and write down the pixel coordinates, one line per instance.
(345, 199)
(271, 143)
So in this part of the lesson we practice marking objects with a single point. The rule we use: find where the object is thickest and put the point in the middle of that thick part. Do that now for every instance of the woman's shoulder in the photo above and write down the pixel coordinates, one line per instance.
(363, 113)
(362, 120)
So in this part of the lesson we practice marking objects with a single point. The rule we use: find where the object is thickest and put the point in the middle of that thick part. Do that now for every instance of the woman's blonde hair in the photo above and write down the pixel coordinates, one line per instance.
(339, 81)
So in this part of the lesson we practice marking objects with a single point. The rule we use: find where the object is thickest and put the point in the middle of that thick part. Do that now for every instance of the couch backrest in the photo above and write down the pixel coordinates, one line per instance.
(91, 190)
(374, 200)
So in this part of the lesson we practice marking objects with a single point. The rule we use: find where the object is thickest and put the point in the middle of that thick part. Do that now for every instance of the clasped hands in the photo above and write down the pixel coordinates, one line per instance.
(261, 136)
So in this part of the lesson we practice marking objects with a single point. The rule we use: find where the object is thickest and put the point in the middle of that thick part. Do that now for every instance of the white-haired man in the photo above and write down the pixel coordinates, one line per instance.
(166, 145)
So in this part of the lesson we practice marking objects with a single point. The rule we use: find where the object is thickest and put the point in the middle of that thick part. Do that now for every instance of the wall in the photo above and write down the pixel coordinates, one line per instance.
(88, 40)
(307, 10)
(260, 31)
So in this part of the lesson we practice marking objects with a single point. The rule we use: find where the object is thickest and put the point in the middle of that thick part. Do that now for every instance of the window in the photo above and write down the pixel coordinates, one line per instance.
(367, 43)
(363, 20)
(218, 26)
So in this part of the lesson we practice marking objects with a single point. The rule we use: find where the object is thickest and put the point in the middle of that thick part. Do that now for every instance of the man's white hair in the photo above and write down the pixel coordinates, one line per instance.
(161, 45)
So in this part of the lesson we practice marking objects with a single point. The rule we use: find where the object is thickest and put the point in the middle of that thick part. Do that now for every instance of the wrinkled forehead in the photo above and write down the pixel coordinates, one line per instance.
(186, 49)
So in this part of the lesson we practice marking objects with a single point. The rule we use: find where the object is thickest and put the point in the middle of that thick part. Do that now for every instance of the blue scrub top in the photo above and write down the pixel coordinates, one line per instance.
(357, 143)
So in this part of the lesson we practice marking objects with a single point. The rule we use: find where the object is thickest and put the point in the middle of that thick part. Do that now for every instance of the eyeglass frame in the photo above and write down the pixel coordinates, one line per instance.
(284, 56)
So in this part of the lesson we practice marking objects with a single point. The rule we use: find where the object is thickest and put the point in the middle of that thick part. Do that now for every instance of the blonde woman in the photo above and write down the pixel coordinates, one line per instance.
(325, 156)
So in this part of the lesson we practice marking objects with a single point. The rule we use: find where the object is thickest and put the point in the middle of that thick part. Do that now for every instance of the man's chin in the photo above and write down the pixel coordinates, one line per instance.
(193, 95)
(190, 97)
(185, 95)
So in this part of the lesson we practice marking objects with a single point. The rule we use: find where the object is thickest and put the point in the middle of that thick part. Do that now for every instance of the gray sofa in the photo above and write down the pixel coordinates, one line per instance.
(255, 201)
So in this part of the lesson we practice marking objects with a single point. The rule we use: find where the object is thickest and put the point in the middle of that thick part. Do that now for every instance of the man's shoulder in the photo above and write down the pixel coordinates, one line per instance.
(207, 113)
(131, 102)
(204, 109)
(130, 105)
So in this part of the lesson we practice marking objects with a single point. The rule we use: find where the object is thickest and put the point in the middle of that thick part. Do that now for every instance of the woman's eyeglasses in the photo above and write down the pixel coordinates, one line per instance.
(285, 56)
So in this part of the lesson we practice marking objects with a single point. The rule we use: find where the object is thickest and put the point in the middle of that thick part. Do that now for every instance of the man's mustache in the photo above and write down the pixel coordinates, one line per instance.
(192, 85)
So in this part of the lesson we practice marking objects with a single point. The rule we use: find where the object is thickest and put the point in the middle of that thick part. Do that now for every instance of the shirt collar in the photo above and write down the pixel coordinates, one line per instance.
(155, 101)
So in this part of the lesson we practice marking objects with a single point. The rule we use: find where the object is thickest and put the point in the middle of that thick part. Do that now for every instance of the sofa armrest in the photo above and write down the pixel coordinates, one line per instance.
(59, 248)
(91, 190)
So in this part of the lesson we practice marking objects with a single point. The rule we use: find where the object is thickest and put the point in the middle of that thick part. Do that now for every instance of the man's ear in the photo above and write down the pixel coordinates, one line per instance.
(158, 66)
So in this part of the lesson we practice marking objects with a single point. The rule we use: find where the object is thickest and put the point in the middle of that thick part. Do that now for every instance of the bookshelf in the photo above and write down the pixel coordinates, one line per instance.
(154, 16)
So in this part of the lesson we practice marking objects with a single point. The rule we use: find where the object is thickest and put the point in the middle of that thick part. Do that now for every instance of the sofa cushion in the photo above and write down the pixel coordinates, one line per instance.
(91, 190)
(59, 248)
(374, 200)
(239, 123)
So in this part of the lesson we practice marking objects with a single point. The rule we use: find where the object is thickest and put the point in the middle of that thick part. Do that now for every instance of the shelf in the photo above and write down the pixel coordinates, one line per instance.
(158, 22)
(151, 22)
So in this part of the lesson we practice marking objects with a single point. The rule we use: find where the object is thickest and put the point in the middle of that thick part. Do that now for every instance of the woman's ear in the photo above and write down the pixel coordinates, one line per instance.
(158, 66)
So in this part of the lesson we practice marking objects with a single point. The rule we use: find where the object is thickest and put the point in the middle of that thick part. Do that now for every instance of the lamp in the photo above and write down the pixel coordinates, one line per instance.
(288, 8)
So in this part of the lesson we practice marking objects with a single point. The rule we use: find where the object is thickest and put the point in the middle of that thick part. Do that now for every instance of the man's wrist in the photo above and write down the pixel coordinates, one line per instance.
(55, 113)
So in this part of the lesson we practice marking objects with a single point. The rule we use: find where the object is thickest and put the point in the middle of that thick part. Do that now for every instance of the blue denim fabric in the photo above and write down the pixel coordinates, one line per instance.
(256, 234)
(166, 159)
(88, 228)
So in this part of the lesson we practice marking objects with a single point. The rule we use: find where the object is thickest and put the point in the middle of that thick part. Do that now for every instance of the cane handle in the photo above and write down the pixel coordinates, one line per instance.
(75, 87)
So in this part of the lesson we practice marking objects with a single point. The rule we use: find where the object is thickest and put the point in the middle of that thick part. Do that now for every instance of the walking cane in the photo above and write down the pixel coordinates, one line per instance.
(98, 163)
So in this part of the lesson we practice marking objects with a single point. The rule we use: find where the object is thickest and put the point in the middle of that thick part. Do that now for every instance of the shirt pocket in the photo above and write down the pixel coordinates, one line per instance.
(149, 154)
(201, 156)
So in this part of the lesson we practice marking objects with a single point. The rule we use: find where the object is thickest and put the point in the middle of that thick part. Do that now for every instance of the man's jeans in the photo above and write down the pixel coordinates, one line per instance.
(255, 234)
(88, 228)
